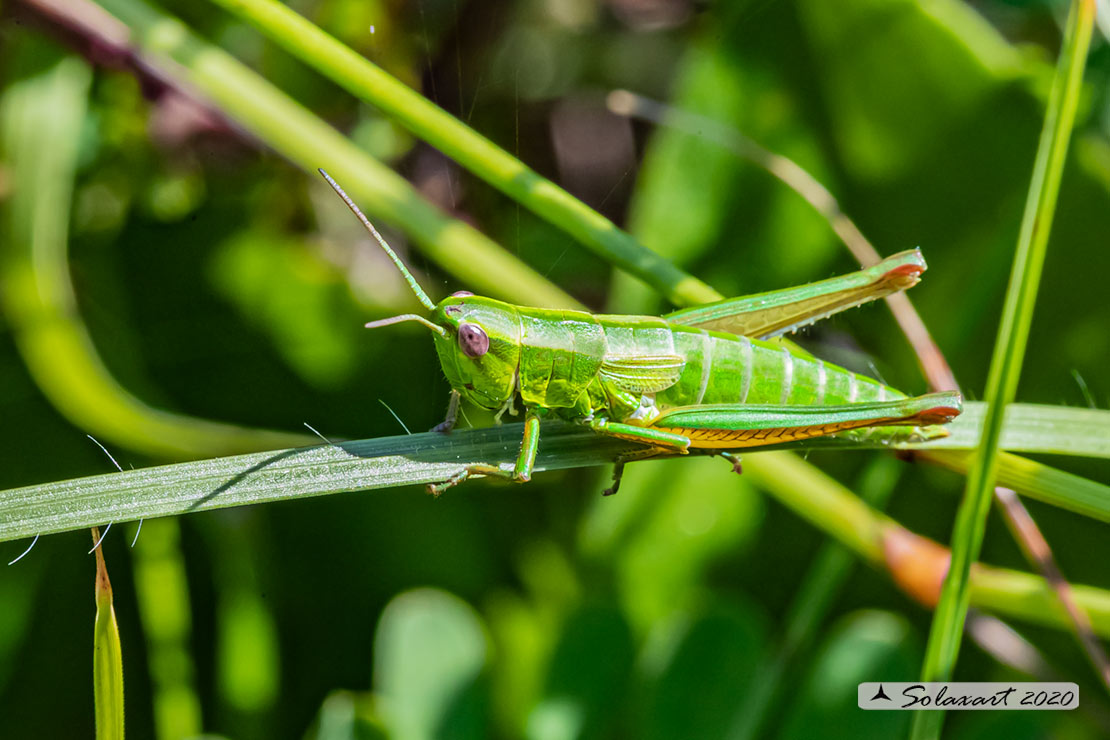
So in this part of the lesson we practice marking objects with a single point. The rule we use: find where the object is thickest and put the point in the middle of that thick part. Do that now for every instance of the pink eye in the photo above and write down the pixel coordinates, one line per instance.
(473, 340)
(461, 294)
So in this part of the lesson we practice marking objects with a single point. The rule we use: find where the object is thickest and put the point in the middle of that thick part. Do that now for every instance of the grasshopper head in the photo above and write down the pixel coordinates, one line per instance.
(478, 339)
(479, 348)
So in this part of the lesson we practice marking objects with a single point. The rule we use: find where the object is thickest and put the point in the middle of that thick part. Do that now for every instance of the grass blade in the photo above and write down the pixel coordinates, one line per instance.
(1028, 427)
(423, 458)
(1037, 481)
(284, 474)
(1031, 427)
(415, 459)
(107, 656)
(947, 628)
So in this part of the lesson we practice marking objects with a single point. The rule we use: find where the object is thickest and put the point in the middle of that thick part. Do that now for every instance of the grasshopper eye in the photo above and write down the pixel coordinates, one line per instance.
(461, 294)
(473, 340)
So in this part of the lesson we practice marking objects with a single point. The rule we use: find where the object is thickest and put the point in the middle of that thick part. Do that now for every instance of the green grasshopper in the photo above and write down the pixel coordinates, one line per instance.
(702, 379)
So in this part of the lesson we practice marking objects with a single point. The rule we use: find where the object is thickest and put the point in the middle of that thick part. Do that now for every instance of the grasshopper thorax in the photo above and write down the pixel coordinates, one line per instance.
(479, 348)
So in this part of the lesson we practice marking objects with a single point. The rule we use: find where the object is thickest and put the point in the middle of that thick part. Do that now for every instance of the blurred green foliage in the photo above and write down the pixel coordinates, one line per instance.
(220, 283)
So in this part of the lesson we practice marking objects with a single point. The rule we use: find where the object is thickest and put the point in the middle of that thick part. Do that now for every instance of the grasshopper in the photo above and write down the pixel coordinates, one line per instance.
(704, 379)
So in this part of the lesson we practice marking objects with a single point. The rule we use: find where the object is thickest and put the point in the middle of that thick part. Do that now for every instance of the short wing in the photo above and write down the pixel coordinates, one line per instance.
(642, 373)
(766, 315)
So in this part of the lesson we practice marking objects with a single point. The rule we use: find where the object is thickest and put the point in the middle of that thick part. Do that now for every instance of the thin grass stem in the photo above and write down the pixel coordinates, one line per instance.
(947, 628)
(365, 80)
(284, 125)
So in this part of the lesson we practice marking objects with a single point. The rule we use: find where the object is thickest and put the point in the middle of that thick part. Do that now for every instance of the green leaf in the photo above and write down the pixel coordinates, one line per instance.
(886, 116)
(345, 715)
(700, 665)
(430, 650)
(671, 521)
(586, 677)
(865, 646)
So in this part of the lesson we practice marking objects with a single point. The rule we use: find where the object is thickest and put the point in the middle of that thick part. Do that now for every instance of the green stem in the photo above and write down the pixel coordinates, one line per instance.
(470, 149)
(162, 596)
(834, 509)
(40, 124)
(1031, 598)
(295, 133)
(1005, 371)
(822, 584)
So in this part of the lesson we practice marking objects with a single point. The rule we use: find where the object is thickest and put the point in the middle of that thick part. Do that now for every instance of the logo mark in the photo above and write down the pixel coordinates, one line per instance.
(880, 694)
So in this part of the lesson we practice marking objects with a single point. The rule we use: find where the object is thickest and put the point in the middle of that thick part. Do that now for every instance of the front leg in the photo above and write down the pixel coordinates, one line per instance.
(522, 469)
(448, 423)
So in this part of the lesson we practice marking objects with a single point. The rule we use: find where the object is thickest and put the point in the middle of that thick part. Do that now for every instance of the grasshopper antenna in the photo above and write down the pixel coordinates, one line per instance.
(420, 294)
(407, 317)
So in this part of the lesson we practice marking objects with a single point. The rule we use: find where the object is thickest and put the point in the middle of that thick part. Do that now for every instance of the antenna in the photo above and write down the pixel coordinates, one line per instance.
(407, 317)
(420, 294)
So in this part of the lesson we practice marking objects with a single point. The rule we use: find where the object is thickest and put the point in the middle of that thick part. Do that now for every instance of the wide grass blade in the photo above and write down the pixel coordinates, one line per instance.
(1031, 427)
(284, 474)
(948, 622)
(424, 458)
(417, 459)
